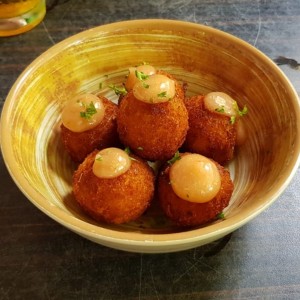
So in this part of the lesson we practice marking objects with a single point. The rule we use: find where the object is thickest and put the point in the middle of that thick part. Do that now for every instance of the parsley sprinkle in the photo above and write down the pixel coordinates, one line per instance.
(174, 158)
(244, 111)
(118, 90)
(127, 150)
(232, 119)
(220, 215)
(90, 110)
(141, 75)
(99, 158)
(162, 94)
(220, 109)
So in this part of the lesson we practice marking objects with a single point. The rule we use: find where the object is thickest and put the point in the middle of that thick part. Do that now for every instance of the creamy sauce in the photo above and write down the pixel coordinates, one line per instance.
(195, 178)
(83, 113)
(155, 89)
(221, 103)
(111, 163)
(132, 78)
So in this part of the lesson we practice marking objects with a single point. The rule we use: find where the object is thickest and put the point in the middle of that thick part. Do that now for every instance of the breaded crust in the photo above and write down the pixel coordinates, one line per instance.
(185, 213)
(117, 200)
(153, 131)
(210, 134)
(80, 144)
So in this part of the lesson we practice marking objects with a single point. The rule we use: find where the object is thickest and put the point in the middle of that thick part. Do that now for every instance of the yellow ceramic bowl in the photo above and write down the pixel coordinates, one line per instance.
(205, 58)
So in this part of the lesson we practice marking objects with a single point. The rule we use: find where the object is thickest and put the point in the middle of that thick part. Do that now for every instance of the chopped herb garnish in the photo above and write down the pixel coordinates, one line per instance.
(220, 215)
(241, 113)
(127, 150)
(141, 75)
(100, 85)
(232, 119)
(145, 85)
(244, 111)
(174, 158)
(118, 90)
(220, 109)
(162, 94)
(90, 110)
(99, 158)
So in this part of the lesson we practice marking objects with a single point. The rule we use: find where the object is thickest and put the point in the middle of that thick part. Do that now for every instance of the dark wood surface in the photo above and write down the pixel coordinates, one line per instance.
(39, 259)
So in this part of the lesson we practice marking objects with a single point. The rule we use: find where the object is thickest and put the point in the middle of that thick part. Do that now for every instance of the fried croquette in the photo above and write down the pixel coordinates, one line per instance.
(210, 134)
(185, 213)
(114, 200)
(80, 144)
(153, 131)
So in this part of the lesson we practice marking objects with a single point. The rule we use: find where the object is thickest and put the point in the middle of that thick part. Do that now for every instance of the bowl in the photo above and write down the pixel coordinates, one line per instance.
(207, 60)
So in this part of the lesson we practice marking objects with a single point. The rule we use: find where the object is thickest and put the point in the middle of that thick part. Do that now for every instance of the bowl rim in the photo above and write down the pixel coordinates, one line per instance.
(157, 240)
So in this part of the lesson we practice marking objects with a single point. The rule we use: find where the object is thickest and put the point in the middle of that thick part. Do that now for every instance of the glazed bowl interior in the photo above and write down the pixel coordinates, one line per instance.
(204, 58)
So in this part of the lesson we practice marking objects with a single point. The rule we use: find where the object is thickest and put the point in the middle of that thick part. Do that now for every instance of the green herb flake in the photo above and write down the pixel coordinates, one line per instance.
(100, 85)
(145, 85)
(90, 110)
(232, 119)
(221, 215)
(220, 109)
(127, 150)
(244, 111)
(99, 158)
(174, 158)
(118, 90)
(162, 94)
(141, 75)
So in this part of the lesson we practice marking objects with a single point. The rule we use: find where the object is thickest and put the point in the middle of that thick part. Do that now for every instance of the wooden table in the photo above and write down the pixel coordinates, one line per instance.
(39, 259)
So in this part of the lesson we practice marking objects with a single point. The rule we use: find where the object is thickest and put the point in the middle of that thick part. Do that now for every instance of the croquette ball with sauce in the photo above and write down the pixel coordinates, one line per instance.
(88, 123)
(113, 187)
(193, 190)
(213, 124)
(152, 118)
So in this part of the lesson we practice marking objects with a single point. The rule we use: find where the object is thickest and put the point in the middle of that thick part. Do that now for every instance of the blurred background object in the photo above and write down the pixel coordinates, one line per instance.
(18, 16)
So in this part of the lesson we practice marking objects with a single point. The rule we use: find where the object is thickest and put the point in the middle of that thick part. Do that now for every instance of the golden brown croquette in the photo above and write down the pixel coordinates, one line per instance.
(80, 144)
(210, 134)
(153, 131)
(186, 213)
(115, 200)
